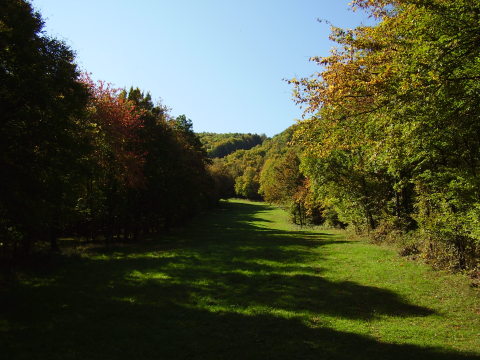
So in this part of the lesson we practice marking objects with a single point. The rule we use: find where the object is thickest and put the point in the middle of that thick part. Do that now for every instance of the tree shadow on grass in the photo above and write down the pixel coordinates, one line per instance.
(121, 329)
(234, 292)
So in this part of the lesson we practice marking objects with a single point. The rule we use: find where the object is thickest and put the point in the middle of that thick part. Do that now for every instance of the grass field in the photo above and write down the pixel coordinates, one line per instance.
(239, 283)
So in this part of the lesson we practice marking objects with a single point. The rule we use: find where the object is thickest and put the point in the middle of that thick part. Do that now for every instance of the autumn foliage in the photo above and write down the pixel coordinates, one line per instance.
(391, 136)
(389, 146)
(80, 158)
(115, 124)
(390, 142)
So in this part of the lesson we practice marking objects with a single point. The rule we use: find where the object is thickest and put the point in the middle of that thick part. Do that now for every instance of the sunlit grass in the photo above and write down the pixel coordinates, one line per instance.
(241, 283)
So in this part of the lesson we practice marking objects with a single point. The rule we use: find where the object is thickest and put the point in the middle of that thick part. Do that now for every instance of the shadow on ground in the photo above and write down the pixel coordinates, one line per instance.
(226, 288)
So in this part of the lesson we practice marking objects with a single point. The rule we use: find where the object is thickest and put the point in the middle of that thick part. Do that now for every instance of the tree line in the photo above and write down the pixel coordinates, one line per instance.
(390, 142)
(389, 147)
(221, 145)
(271, 172)
(78, 157)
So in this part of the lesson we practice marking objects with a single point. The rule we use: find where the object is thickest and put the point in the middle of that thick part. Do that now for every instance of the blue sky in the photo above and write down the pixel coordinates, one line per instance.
(220, 62)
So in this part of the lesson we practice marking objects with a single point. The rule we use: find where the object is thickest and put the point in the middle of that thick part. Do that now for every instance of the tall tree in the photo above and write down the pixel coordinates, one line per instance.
(42, 103)
(399, 101)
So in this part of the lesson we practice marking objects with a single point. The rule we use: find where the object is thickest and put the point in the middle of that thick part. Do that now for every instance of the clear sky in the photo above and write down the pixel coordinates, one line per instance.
(220, 62)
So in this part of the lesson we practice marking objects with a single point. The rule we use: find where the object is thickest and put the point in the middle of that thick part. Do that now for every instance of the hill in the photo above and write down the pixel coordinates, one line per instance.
(221, 145)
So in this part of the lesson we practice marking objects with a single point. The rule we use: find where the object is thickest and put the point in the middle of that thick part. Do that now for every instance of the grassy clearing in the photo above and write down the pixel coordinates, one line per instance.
(240, 283)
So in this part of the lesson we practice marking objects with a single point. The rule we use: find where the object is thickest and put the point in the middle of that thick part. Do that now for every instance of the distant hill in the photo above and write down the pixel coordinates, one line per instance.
(221, 145)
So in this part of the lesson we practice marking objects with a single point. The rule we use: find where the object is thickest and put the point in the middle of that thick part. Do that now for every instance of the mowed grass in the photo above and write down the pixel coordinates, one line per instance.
(240, 283)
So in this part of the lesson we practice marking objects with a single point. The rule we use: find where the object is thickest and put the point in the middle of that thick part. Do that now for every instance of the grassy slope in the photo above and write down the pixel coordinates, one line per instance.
(240, 283)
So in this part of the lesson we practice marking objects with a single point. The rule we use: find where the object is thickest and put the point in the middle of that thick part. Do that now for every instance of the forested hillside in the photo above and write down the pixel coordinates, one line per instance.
(390, 145)
(221, 145)
(270, 171)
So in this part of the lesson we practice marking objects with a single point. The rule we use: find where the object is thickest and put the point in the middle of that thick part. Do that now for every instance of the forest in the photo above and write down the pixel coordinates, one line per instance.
(390, 142)
(354, 233)
(389, 146)
(221, 145)
(81, 158)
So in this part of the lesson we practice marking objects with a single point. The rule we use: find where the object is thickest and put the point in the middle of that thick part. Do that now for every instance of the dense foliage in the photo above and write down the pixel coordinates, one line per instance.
(393, 143)
(80, 158)
(221, 145)
(42, 143)
(390, 145)
(270, 171)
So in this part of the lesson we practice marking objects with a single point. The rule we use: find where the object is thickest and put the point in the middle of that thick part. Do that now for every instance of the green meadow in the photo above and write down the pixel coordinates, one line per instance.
(239, 282)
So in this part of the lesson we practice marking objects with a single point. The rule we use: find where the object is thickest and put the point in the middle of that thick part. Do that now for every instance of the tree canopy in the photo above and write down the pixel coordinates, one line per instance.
(78, 157)
(393, 136)
(221, 145)
(389, 145)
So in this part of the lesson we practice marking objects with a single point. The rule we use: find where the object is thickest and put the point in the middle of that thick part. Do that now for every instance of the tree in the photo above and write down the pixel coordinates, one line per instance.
(117, 159)
(397, 103)
(42, 104)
